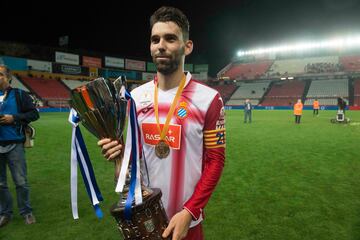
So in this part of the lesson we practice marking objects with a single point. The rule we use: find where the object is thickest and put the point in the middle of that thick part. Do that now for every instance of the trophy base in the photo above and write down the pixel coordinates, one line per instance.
(148, 220)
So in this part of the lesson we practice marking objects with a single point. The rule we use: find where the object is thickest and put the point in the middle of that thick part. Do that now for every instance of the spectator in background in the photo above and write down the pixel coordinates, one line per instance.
(247, 111)
(316, 107)
(16, 110)
(298, 107)
(341, 104)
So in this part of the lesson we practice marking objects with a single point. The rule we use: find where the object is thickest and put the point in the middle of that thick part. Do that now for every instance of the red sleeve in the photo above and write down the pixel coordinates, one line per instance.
(213, 157)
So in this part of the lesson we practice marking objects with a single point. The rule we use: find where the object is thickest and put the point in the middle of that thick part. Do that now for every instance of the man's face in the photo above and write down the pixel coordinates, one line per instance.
(4, 81)
(167, 46)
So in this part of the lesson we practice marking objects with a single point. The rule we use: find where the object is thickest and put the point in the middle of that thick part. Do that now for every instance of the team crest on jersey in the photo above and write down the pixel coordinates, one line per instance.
(182, 111)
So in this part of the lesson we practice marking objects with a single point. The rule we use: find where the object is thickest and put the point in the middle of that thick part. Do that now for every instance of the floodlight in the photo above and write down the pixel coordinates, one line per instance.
(344, 42)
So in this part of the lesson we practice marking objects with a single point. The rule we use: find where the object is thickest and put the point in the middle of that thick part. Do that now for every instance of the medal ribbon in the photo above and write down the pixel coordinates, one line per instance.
(171, 111)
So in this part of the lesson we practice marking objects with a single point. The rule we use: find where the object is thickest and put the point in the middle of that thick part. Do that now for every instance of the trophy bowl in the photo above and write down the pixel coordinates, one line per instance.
(148, 220)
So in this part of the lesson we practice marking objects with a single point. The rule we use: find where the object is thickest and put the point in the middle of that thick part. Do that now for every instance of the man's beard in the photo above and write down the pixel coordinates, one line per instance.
(170, 66)
(167, 68)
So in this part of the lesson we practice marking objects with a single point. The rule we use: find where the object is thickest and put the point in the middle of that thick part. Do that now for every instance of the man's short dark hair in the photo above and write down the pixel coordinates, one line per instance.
(171, 14)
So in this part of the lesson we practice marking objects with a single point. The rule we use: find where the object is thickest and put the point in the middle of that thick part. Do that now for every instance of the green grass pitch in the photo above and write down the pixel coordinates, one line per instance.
(280, 181)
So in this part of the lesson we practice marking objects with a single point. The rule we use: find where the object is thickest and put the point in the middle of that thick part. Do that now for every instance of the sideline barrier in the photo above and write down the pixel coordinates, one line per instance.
(53, 110)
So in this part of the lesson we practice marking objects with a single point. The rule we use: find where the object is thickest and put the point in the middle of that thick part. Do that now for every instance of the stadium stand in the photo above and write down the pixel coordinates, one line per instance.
(329, 88)
(18, 84)
(357, 92)
(350, 63)
(307, 76)
(253, 91)
(49, 90)
(327, 91)
(225, 90)
(243, 71)
(284, 93)
(296, 66)
(323, 67)
(71, 84)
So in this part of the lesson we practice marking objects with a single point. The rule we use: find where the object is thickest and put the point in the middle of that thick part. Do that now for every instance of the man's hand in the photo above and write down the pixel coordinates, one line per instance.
(179, 225)
(6, 119)
(110, 148)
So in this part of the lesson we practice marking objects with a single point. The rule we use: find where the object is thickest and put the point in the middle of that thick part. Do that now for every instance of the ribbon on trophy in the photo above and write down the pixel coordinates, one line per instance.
(133, 152)
(80, 156)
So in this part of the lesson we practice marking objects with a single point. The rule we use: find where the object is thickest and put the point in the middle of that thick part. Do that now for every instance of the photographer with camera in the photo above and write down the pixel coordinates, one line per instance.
(16, 111)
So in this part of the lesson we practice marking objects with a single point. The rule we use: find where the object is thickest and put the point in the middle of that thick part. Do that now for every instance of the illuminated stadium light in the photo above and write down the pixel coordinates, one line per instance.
(288, 78)
(336, 43)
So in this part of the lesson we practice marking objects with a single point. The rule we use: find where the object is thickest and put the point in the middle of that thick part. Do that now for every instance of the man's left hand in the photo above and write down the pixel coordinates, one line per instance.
(179, 225)
(6, 119)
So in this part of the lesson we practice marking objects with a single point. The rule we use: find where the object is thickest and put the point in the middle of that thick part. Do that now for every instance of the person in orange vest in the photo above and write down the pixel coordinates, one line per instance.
(298, 107)
(316, 107)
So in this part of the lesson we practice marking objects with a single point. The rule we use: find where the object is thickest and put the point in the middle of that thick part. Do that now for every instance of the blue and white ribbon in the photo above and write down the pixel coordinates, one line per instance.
(80, 156)
(133, 152)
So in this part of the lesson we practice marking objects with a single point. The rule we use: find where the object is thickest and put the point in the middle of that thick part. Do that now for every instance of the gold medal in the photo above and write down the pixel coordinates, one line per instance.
(162, 149)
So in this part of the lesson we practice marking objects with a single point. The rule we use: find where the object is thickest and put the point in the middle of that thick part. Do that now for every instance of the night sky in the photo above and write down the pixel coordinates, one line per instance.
(218, 28)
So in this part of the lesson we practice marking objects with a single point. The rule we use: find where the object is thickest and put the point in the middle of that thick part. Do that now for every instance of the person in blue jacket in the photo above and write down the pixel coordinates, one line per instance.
(16, 111)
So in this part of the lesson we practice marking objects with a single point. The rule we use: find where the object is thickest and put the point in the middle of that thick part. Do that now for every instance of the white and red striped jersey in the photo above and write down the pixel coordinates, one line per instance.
(188, 175)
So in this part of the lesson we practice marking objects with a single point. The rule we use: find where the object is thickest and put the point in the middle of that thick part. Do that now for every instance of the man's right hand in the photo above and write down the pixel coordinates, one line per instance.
(111, 149)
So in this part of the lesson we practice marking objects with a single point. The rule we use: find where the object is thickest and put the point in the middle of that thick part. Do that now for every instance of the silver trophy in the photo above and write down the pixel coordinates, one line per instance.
(101, 106)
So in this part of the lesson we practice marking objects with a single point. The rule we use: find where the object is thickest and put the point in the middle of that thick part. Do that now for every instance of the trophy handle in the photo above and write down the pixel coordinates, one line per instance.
(117, 168)
(118, 161)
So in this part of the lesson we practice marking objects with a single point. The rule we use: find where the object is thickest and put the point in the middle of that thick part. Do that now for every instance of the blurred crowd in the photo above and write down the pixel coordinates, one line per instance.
(323, 67)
